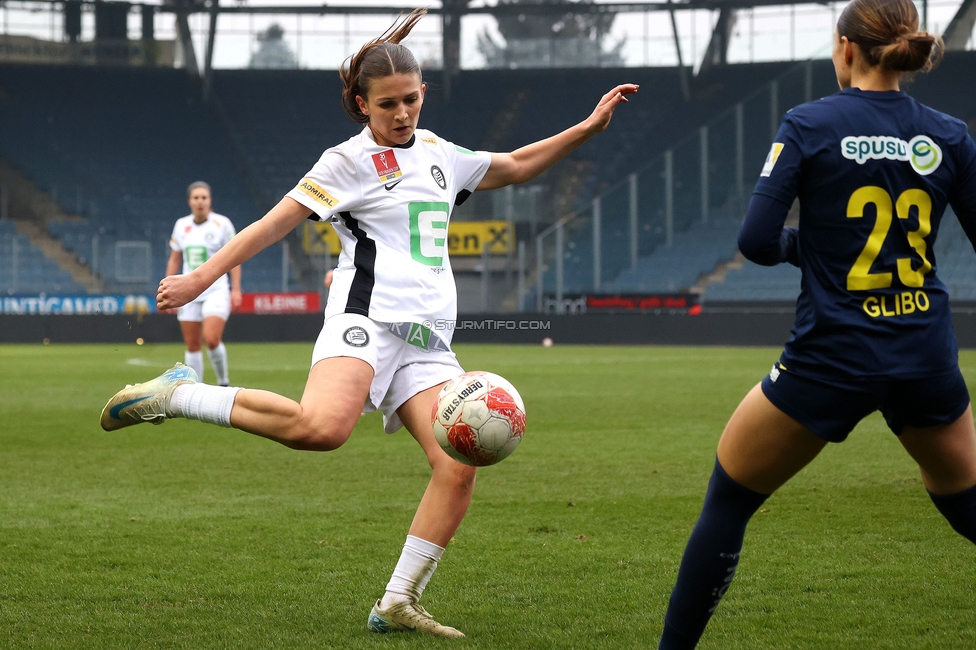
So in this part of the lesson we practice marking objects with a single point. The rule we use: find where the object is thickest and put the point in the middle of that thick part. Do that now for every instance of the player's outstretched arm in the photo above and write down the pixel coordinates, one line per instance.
(531, 160)
(177, 290)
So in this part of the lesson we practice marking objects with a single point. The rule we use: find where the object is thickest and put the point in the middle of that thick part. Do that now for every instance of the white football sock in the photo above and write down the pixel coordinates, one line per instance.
(218, 361)
(413, 571)
(195, 361)
(203, 402)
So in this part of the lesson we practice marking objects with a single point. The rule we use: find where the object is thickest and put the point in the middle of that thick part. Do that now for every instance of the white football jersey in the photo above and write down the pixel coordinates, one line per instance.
(199, 241)
(391, 208)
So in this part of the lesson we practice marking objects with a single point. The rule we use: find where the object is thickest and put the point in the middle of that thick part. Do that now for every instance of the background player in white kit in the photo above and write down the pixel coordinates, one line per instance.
(389, 191)
(196, 237)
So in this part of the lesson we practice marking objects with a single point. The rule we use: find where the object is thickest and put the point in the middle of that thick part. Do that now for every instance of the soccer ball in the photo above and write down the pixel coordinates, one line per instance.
(478, 418)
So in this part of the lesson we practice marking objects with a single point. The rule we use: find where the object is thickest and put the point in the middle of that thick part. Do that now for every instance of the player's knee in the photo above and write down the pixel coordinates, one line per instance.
(211, 341)
(461, 476)
(315, 435)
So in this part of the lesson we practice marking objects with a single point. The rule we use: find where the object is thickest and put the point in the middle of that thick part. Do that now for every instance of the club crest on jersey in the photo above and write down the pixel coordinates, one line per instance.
(438, 175)
(386, 165)
(356, 336)
(921, 152)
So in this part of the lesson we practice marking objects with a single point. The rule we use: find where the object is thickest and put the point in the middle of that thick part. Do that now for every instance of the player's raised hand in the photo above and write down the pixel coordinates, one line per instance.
(600, 118)
(176, 290)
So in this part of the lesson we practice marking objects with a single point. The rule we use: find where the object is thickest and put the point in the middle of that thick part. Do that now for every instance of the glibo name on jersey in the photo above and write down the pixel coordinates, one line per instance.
(899, 304)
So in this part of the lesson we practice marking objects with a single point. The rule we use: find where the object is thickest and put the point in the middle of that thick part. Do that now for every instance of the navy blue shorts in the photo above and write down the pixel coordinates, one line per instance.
(832, 410)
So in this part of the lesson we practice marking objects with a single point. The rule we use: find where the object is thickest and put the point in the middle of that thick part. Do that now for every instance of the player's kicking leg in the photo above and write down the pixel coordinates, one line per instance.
(322, 421)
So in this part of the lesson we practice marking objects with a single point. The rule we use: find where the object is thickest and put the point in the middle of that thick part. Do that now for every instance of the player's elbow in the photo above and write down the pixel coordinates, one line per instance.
(759, 252)
(517, 171)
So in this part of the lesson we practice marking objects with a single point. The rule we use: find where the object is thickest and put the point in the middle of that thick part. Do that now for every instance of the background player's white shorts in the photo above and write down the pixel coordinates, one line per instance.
(215, 303)
(400, 370)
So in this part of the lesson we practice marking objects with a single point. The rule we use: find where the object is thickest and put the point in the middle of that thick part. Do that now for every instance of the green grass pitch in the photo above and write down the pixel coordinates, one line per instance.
(192, 536)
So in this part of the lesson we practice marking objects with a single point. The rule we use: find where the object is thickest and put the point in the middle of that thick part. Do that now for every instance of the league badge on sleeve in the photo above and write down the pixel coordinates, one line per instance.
(771, 159)
(386, 165)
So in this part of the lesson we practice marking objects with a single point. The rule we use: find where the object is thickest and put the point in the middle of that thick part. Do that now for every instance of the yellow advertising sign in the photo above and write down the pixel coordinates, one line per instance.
(468, 237)
(464, 238)
(320, 238)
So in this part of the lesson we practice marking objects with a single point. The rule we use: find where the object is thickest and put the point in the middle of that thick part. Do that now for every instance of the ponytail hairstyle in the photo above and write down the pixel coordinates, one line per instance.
(888, 35)
(381, 57)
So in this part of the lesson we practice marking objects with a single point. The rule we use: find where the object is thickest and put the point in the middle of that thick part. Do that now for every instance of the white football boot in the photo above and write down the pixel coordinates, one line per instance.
(145, 402)
(407, 617)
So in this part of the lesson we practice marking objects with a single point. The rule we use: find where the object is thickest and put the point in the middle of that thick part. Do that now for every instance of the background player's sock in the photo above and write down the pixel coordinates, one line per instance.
(203, 402)
(195, 361)
(960, 510)
(710, 559)
(413, 571)
(218, 361)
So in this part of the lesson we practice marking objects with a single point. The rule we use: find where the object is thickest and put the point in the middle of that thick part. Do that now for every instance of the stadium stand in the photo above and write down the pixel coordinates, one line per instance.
(955, 261)
(283, 120)
(752, 282)
(678, 267)
(25, 269)
(122, 160)
(755, 283)
(697, 247)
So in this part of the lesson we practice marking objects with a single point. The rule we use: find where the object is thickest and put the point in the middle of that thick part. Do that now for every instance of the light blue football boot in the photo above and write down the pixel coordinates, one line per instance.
(145, 402)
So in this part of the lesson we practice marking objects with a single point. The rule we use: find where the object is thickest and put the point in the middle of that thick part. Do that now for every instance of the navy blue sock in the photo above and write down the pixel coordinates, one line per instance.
(960, 510)
(710, 559)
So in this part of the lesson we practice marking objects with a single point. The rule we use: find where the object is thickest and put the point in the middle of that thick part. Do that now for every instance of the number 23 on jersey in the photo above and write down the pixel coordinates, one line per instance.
(860, 277)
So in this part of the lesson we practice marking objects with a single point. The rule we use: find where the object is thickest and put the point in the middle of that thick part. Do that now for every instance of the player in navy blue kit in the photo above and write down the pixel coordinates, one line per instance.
(873, 171)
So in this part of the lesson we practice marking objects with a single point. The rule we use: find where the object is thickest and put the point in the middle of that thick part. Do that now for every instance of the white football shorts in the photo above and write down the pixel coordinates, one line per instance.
(214, 303)
(400, 370)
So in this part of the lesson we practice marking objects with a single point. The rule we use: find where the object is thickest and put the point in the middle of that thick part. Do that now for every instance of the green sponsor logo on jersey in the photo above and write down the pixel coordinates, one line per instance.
(195, 256)
(428, 231)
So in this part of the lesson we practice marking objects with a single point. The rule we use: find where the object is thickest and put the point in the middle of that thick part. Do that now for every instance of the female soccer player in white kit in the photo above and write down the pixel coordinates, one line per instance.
(196, 238)
(389, 191)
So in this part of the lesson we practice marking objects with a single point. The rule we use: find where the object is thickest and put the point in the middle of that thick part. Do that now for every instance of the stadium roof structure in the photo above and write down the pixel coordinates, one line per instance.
(956, 35)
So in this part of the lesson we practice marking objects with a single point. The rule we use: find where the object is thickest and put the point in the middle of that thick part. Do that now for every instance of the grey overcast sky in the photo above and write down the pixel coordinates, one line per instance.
(763, 34)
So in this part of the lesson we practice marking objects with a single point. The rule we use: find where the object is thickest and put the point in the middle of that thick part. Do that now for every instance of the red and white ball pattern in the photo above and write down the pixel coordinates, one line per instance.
(479, 418)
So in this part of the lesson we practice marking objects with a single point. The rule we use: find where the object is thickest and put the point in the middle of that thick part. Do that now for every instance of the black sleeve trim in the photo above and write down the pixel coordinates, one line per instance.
(461, 197)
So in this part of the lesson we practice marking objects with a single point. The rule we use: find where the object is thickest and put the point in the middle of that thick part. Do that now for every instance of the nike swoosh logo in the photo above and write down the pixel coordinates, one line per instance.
(390, 186)
(115, 410)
